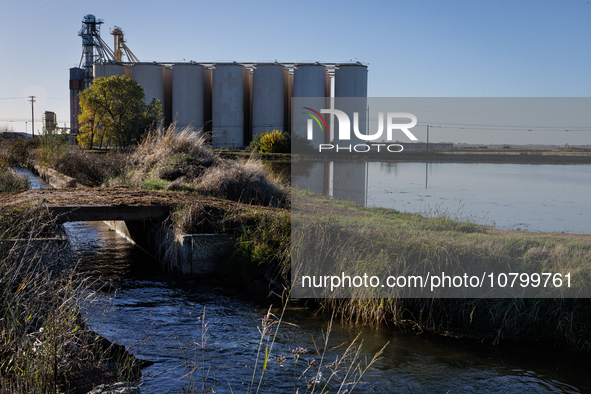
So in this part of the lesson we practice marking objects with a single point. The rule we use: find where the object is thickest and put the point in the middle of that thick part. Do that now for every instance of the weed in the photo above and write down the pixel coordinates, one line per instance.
(309, 375)
(155, 184)
(10, 181)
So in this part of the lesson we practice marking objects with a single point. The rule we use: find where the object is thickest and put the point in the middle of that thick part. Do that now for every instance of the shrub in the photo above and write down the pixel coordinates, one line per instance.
(274, 142)
(90, 169)
(53, 146)
(21, 151)
(254, 144)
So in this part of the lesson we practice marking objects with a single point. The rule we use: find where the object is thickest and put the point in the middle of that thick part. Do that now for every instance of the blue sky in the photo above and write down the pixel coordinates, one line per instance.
(414, 48)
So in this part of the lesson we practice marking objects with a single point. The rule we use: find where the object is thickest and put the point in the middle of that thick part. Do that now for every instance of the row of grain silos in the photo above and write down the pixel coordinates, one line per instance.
(235, 101)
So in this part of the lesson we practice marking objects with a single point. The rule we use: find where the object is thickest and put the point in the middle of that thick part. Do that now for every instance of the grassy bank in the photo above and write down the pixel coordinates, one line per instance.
(466, 157)
(356, 239)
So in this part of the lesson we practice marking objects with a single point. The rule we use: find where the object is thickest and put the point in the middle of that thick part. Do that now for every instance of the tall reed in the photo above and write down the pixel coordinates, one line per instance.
(45, 347)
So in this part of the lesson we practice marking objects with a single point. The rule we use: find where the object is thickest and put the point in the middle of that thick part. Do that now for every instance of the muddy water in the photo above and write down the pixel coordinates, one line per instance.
(167, 324)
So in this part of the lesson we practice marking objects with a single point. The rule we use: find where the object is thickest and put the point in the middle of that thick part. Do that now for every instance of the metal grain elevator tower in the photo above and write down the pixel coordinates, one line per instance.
(94, 51)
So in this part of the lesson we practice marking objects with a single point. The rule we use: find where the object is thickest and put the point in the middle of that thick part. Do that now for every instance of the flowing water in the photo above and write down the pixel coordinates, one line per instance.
(163, 322)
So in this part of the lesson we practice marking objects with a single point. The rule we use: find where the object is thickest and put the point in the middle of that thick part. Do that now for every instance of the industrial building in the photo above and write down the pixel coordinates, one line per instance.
(232, 101)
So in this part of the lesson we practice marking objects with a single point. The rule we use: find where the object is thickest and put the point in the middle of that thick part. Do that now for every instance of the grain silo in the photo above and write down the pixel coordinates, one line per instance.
(309, 81)
(268, 98)
(288, 96)
(236, 100)
(351, 82)
(188, 95)
(107, 70)
(151, 77)
(230, 106)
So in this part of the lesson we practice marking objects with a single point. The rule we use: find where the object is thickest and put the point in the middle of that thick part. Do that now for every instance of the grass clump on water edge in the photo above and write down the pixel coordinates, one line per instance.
(10, 181)
(262, 250)
(45, 347)
(262, 239)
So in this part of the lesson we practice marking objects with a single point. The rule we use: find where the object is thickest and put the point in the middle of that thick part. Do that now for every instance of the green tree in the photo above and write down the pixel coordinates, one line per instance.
(114, 111)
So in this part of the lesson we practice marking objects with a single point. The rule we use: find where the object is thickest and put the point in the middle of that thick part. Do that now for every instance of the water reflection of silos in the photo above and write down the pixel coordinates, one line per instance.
(351, 81)
(350, 181)
(268, 98)
(229, 108)
(310, 81)
(188, 95)
(311, 176)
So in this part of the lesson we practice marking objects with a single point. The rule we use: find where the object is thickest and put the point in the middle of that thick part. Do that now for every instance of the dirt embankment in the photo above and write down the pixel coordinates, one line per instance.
(115, 196)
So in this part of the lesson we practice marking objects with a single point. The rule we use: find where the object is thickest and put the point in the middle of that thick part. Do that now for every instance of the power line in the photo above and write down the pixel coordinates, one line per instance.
(45, 98)
(19, 120)
(503, 127)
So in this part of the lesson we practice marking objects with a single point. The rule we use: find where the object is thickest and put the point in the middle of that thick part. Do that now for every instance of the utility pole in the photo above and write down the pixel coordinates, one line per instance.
(427, 138)
(32, 100)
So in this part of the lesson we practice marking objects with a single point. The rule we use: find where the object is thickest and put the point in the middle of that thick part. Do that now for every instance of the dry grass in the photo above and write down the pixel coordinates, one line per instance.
(320, 373)
(182, 160)
(19, 151)
(163, 151)
(245, 182)
(10, 181)
(45, 346)
(381, 242)
(90, 169)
